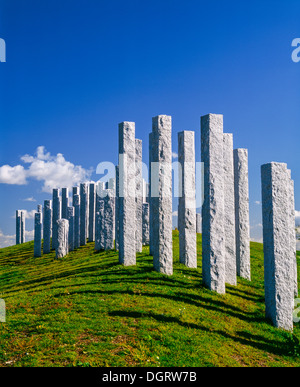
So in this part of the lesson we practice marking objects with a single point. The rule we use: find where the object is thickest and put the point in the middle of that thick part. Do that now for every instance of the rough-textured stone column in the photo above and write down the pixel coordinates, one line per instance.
(92, 210)
(47, 226)
(83, 213)
(56, 215)
(127, 212)
(37, 234)
(76, 205)
(213, 235)
(187, 200)
(278, 262)
(108, 226)
(22, 217)
(242, 222)
(198, 223)
(39, 208)
(293, 240)
(75, 191)
(71, 219)
(150, 198)
(161, 191)
(117, 210)
(18, 227)
(64, 202)
(139, 195)
(99, 225)
(229, 207)
(62, 247)
(145, 224)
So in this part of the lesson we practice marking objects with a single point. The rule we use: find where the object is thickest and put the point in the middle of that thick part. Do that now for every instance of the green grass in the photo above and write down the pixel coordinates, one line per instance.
(87, 310)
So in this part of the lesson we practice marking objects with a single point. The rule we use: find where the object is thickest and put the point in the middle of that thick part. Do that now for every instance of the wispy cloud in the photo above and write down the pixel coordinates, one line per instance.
(174, 155)
(6, 240)
(31, 199)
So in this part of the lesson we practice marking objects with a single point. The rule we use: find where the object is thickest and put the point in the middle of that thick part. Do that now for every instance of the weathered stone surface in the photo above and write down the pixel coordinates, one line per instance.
(150, 198)
(39, 208)
(22, 217)
(92, 211)
(56, 215)
(62, 247)
(139, 195)
(99, 225)
(161, 191)
(117, 210)
(187, 200)
(75, 191)
(242, 222)
(83, 213)
(47, 226)
(109, 221)
(64, 202)
(278, 262)
(76, 205)
(293, 240)
(37, 234)
(229, 207)
(127, 187)
(198, 223)
(18, 227)
(213, 235)
(145, 224)
(71, 219)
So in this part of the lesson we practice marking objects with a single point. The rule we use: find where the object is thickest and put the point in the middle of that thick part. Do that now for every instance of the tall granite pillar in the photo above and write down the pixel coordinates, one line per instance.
(161, 191)
(83, 213)
(117, 210)
(22, 218)
(150, 197)
(92, 210)
(229, 207)
(75, 191)
(127, 186)
(213, 234)
(278, 262)
(242, 222)
(293, 240)
(99, 225)
(64, 202)
(39, 208)
(139, 195)
(56, 215)
(76, 205)
(62, 246)
(71, 219)
(198, 223)
(145, 224)
(18, 227)
(108, 226)
(37, 234)
(47, 226)
(187, 200)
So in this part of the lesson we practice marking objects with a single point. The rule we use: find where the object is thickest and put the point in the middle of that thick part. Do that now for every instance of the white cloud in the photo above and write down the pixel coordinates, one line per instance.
(175, 213)
(13, 175)
(7, 240)
(31, 199)
(174, 155)
(297, 218)
(52, 171)
(258, 202)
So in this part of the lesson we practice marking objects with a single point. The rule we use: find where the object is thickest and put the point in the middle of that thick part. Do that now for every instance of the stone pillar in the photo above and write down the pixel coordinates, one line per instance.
(161, 191)
(71, 219)
(39, 208)
(117, 210)
(198, 223)
(76, 205)
(278, 262)
(150, 198)
(56, 215)
(293, 240)
(18, 227)
(22, 217)
(145, 224)
(99, 225)
(229, 207)
(83, 213)
(62, 247)
(187, 200)
(127, 211)
(213, 235)
(47, 226)
(75, 191)
(92, 209)
(108, 224)
(139, 195)
(38, 234)
(242, 222)
(64, 202)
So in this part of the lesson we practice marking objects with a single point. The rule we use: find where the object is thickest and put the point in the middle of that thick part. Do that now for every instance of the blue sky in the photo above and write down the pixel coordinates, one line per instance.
(75, 69)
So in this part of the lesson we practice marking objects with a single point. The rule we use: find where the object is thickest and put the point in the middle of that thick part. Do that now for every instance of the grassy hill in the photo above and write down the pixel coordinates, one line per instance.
(87, 310)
